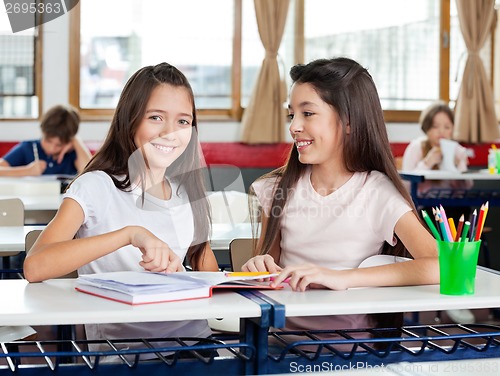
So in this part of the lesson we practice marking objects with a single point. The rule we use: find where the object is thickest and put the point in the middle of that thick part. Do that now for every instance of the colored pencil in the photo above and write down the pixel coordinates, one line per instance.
(460, 227)
(453, 229)
(35, 152)
(433, 228)
(478, 225)
(246, 274)
(437, 216)
(443, 229)
(473, 221)
(445, 220)
(480, 222)
(463, 237)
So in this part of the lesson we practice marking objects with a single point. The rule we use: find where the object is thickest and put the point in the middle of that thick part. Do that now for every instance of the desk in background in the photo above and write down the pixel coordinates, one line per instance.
(452, 197)
(12, 238)
(41, 196)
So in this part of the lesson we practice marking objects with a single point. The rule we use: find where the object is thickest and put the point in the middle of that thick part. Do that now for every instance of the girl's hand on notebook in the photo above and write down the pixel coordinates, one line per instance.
(156, 254)
(262, 263)
(303, 277)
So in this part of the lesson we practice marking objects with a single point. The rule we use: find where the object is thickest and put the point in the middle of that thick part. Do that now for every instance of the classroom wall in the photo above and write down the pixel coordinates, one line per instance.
(55, 90)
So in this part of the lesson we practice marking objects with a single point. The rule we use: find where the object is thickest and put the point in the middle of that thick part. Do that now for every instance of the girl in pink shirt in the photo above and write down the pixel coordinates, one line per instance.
(339, 198)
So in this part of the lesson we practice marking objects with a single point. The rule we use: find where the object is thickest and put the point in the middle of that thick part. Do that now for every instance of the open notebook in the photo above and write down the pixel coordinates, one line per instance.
(146, 287)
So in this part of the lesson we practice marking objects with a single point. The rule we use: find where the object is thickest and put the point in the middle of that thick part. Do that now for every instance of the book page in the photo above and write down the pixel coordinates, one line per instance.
(141, 281)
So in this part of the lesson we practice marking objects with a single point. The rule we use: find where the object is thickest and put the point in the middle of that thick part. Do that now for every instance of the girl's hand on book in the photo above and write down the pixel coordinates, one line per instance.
(262, 263)
(156, 254)
(303, 277)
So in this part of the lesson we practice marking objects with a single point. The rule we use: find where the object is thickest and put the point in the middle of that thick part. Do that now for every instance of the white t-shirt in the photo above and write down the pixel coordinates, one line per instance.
(413, 157)
(413, 160)
(339, 230)
(106, 209)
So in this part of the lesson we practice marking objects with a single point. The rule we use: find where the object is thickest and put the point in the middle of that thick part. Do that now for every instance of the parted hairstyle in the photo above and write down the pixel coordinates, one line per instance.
(349, 89)
(62, 122)
(118, 154)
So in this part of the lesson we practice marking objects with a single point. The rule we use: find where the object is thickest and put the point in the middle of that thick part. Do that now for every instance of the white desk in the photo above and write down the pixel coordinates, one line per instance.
(55, 302)
(388, 299)
(38, 202)
(223, 233)
(41, 196)
(12, 237)
(448, 175)
(451, 196)
(30, 185)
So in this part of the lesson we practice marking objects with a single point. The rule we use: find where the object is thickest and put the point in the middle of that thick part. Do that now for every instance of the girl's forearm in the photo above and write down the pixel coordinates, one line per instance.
(422, 271)
(60, 258)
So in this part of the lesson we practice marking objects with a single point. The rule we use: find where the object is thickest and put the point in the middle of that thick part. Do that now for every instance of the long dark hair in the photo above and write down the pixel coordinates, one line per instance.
(349, 89)
(114, 155)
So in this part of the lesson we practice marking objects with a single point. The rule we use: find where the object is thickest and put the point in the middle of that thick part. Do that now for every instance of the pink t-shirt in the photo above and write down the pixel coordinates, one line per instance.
(339, 230)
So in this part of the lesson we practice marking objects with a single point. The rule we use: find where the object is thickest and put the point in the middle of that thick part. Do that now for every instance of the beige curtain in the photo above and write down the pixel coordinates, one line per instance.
(264, 118)
(474, 112)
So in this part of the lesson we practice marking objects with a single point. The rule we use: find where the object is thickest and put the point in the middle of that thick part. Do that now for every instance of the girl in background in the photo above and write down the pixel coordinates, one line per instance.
(424, 153)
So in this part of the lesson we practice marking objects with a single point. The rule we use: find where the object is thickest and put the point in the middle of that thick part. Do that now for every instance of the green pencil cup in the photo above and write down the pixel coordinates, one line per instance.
(457, 267)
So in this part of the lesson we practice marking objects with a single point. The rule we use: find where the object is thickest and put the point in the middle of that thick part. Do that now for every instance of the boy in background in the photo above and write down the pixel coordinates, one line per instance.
(58, 152)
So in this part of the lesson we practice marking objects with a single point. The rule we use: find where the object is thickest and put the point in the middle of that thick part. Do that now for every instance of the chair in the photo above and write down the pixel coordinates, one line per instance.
(30, 240)
(63, 331)
(11, 214)
(240, 251)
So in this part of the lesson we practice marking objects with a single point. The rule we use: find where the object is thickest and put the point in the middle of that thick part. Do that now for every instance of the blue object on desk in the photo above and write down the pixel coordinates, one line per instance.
(449, 197)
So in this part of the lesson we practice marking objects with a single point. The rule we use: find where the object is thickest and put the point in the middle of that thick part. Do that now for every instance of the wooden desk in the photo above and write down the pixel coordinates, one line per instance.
(452, 197)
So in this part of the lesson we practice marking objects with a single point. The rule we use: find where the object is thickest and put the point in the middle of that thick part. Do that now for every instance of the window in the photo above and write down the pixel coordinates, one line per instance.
(406, 47)
(20, 71)
(143, 33)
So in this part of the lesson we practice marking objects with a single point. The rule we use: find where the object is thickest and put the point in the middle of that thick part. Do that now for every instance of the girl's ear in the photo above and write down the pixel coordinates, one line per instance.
(348, 129)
